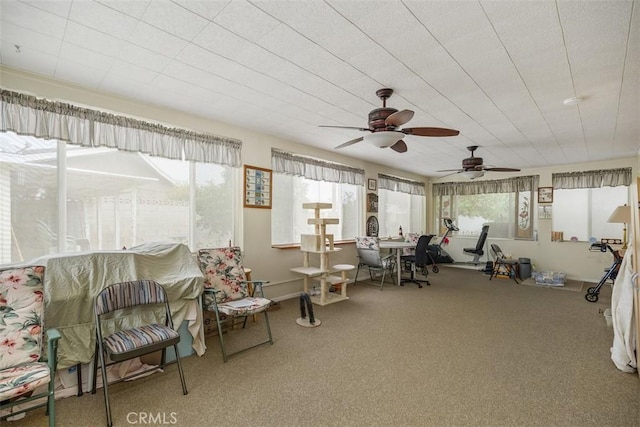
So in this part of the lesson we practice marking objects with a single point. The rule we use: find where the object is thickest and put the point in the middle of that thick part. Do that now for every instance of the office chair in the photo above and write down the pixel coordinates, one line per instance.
(419, 260)
(22, 368)
(478, 251)
(113, 308)
(227, 294)
(503, 266)
(369, 257)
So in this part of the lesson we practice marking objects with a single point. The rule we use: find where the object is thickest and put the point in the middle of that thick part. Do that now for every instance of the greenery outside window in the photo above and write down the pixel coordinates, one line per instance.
(503, 204)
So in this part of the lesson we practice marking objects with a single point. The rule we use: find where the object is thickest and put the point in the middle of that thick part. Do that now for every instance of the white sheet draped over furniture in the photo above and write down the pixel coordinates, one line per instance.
(73, 280)
(623, 351)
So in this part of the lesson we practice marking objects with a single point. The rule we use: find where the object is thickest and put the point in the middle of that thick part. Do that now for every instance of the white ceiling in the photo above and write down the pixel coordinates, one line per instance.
(498, 71)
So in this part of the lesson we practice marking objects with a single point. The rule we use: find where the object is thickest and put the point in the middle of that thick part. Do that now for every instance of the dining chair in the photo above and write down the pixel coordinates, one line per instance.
(503, 266)
(419, 261)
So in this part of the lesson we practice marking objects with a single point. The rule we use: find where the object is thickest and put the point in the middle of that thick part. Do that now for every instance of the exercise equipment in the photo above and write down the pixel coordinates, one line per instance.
(439, 255)
(609, 273)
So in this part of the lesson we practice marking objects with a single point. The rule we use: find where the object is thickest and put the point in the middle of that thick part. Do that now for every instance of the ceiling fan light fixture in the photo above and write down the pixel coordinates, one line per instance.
(384, 139)
(473, 174)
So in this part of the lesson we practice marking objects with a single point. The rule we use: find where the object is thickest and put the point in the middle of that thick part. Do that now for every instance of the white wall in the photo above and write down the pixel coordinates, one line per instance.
(273, 264)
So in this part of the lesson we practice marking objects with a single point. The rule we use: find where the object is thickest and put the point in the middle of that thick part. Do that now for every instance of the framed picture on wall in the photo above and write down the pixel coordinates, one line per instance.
(372, 185)
(545, 194)
(257, 187)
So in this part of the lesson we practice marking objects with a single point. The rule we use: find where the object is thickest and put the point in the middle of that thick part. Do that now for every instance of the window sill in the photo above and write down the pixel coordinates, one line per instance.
(297, 245)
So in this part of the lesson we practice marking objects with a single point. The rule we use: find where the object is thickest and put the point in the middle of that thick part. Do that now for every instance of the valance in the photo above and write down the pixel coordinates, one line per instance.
(316, 169)
(592, 179)
(41, 118)
(394, 183)
(508, 185)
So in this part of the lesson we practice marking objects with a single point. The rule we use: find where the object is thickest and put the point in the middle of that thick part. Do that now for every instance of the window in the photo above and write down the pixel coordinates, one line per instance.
(583, 202)
(401, 203)
(289, 219)
(115, 181)
(397, 209)
(583, 212)
(114, 199)
(300, 179)
(503, 204)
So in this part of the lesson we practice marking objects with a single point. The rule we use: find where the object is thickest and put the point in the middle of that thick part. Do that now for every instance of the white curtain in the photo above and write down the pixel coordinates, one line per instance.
(592, 179)
(316, 169)
(28, 115)
(508, 185)
(394, 183)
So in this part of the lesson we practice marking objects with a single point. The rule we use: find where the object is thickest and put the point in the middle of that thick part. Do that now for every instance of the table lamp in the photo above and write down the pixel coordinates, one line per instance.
(622, 215)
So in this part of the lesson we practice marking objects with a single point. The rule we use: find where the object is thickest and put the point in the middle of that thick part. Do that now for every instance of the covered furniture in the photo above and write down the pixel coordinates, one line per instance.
(122, 334)
(370, 258)
(74, 280)
(226, 293)
(478, 251)
(419, 260)
(503, 266)
(25, 368)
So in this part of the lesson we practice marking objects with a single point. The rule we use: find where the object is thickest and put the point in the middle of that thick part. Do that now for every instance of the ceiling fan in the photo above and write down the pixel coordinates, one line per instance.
(472, 167)
(384, 126)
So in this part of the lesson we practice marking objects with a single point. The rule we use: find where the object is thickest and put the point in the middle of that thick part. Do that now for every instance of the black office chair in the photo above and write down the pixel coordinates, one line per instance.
(419, 260)
(478, 251)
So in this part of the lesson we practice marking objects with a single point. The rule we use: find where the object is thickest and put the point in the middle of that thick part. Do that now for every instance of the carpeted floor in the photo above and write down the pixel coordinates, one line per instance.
(465, 351)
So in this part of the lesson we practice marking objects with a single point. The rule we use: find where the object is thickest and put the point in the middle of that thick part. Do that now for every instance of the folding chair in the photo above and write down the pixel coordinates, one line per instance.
(112, 308)
(226, 293)
(503, 266)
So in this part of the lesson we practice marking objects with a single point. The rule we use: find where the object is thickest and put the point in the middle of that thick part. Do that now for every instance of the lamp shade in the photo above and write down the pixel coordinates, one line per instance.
(621, 215)
(384, 139)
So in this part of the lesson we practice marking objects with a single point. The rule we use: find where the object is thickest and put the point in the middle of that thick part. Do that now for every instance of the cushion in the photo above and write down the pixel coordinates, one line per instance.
(223, 271)
(137, 338)
(367, 243)
(23, 379)
(244, 307)
(21, 312)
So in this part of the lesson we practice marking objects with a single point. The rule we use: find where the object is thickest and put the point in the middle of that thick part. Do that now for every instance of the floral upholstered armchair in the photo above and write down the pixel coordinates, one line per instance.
(23, 373)
(227, 292)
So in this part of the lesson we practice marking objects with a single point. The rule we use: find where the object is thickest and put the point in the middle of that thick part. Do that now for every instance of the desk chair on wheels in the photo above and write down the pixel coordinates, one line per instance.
(419, 260)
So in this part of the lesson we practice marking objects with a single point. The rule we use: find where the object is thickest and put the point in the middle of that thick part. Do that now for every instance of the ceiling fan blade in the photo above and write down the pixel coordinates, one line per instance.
(430, 131)
(348, 143)
(343, 127)
(399, 118)
(400, 147)
(502, 169)
(451, 170)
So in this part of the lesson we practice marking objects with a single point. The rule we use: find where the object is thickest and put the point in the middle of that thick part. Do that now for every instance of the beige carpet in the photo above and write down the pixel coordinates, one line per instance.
(465, 351)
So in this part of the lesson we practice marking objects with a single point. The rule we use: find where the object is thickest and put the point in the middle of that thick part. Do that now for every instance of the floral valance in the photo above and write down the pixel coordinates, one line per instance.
(592, 179)
(507, 185)
(403, 185)
(316, 169)
(41, 118)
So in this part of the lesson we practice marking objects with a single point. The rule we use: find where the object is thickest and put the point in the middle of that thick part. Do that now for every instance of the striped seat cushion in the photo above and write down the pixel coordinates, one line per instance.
(22, 379)
(138, 338)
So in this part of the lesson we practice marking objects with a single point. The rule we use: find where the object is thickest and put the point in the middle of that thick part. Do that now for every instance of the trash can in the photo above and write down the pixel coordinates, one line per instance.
(524, 268)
